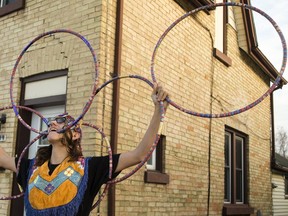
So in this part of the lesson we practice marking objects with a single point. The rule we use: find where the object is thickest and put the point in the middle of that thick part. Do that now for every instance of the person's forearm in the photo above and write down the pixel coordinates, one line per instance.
(150, 135)
(6, 161)
(133, 157)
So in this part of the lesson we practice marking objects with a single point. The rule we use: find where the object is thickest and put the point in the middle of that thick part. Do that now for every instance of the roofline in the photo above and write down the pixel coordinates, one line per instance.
(253, 49)
(278, 167)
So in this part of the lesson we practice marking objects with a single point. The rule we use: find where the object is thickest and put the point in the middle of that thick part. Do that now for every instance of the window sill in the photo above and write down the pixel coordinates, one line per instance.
(12, 7)
(156, 177)
(222, 57)
(237, 209)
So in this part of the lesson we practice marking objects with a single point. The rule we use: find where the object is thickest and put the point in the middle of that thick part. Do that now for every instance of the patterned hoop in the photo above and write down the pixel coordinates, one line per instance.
(260, 99)
(142, 162)
(25, 149)
(110, 161)
(31, 110)
(103, 194)
(158, 133)
(18, 167)
(107, 143)
(88, 103)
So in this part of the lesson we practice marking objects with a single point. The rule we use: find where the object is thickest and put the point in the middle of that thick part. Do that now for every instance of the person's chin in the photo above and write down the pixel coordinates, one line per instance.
(53, 138)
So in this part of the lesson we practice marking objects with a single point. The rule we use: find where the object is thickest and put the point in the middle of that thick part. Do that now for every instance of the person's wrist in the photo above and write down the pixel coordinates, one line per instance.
(157, 107)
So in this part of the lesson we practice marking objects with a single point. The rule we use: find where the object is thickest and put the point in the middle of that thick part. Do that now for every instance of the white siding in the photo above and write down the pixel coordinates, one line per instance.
(240, 28)
(280, 204)
(231, 17)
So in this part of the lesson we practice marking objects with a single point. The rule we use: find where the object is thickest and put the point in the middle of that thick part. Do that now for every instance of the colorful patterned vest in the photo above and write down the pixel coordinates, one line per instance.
(60, 193)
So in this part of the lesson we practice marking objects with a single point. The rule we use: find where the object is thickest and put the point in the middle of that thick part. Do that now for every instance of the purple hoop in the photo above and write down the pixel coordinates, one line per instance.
(140, 164)
(110, 161)
(101, 197)
(31, 110)
(25, 149)
(18, 167)
(88, 103)
(260, 99)
(108, 146)
(157, 136)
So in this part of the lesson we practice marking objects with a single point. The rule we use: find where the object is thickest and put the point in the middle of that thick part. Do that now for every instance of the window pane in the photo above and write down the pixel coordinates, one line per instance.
(227, 187)
(227, 197)
(151, 163)
(227, 149)
(239, 186)
(43, 141)
(239, 169)
(8, 2)
(239, 152)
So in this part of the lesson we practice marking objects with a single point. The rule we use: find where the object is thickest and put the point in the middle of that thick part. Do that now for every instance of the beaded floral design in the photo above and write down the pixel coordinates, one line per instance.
(69, 172)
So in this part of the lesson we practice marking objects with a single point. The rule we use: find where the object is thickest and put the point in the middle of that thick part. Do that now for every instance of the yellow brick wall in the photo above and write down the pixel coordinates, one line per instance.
(51, 53)
(184, 64)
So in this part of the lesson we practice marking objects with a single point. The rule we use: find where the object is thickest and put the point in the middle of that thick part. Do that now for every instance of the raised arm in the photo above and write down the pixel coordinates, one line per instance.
(135, 156)
(7, 161)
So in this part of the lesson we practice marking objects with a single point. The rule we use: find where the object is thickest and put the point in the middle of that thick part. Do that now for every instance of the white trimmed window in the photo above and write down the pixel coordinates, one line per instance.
(156, 165)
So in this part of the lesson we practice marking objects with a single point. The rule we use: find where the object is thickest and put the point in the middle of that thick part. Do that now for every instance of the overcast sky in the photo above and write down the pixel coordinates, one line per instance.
(270, 44)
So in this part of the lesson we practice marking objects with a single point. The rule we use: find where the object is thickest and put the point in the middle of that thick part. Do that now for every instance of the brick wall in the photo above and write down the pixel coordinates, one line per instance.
(185, 65)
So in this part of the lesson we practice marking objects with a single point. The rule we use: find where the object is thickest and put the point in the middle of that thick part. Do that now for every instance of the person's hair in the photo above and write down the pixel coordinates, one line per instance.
(73, 148)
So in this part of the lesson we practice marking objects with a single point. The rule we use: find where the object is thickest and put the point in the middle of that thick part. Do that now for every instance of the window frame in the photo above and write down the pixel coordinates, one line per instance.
(234, 136)
(286, 186)
(233, 207)
(253, 48)
(12, 7)
(158, 175)
(217, 53)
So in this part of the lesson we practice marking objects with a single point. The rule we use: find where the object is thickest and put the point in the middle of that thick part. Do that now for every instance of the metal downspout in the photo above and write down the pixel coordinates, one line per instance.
(115, 97)
(272, 131)
(273, 127)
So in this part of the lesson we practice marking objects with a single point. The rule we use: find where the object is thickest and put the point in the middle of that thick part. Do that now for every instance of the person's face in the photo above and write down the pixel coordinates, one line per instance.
(55, 124)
